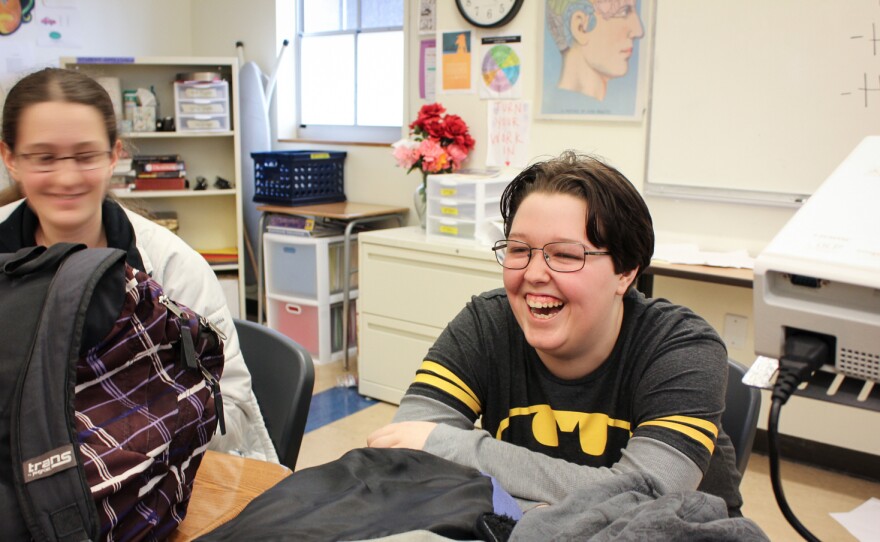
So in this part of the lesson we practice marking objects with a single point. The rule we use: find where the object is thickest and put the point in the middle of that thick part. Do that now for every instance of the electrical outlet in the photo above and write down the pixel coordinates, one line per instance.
(736, 330)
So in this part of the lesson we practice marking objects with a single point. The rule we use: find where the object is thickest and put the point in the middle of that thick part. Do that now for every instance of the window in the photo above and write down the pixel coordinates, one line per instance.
(350, 69)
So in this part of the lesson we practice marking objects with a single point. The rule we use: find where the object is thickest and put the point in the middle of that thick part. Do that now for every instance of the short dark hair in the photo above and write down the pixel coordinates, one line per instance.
(55, 85)
(617, 218)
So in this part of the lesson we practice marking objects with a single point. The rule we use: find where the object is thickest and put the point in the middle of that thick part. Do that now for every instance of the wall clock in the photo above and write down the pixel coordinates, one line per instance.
(488, 13)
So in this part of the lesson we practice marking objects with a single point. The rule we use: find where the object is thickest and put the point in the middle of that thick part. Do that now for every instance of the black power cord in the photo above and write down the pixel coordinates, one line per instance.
(804, 354)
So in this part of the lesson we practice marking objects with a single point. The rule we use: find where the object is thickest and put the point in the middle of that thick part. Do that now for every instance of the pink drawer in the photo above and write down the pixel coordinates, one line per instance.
(297, 321)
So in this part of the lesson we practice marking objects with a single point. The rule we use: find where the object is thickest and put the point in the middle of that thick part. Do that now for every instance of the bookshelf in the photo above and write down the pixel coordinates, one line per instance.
(208, 220)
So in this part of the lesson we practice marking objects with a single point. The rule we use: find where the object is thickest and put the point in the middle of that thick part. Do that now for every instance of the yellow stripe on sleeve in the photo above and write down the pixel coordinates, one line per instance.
(451, 389)
(436, 368)
(698, 422)
(695, 434)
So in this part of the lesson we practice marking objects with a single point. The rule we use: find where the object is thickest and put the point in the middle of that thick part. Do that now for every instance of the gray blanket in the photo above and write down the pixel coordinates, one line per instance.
(628, 507)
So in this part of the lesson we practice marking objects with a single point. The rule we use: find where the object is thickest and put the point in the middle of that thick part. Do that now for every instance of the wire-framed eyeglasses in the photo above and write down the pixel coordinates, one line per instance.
(561, 256)
(44, 162)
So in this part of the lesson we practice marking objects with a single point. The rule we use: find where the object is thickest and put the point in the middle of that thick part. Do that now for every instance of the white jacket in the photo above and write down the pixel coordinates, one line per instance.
(186, 277)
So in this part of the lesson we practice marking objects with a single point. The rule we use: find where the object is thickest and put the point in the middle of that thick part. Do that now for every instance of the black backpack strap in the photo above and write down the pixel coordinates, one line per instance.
(53, 494)
(37, 259)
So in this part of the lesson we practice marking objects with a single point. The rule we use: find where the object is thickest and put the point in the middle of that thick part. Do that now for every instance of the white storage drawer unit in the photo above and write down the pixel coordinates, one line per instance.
(460, 206)
(304, 279)
(201, 106)
(410, 288)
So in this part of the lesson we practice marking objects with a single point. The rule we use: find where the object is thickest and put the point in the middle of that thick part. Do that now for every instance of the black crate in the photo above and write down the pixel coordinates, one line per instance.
(298, 177)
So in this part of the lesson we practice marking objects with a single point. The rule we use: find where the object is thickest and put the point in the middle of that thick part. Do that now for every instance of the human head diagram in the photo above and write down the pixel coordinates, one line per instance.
(596, 40)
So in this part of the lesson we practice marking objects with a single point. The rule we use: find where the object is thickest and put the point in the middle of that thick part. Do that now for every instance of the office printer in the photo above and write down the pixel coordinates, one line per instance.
(821, 273)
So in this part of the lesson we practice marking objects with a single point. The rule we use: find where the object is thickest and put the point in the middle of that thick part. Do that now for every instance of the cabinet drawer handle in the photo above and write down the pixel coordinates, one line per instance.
(293, 309)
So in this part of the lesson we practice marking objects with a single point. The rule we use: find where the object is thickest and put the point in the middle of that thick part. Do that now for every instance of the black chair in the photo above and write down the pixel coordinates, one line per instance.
(740, 418)
(282, 377)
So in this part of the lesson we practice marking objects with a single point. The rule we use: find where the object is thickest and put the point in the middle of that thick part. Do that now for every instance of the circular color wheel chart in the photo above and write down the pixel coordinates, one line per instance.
(500, 68)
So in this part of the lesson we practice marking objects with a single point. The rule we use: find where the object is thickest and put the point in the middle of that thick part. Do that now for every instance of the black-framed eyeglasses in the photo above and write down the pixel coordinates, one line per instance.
(44, 162)
(561, 256)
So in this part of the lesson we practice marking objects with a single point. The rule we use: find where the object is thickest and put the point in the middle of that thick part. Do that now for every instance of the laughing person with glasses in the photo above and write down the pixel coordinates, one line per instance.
(574, 375)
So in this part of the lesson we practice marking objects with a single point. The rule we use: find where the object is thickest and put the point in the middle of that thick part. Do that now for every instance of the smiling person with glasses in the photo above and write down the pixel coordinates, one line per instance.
(575, 376)
(59, 144)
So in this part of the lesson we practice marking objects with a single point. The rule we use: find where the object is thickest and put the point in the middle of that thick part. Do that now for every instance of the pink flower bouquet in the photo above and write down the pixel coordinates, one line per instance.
(437, 142)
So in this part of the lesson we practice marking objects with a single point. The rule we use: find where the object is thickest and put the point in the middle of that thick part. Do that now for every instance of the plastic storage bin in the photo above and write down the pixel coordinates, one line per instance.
(463, 210)
(299, 177)
(201, 106)
(462, 206)
(450, 227)
(307, 267)
(317, 328)
(467, 187)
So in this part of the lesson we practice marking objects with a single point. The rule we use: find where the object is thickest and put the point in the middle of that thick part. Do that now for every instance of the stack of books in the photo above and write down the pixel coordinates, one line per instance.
(220, 256)
(159, 172)
(303, 226)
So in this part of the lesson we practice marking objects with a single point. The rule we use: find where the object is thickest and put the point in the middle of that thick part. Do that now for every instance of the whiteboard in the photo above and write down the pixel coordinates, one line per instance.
(759, 100)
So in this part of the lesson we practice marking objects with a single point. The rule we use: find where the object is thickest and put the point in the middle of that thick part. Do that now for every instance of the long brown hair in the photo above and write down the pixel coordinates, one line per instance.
(52, 85)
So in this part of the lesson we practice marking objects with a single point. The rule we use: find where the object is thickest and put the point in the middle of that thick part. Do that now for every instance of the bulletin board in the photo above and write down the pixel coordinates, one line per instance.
(759, 101)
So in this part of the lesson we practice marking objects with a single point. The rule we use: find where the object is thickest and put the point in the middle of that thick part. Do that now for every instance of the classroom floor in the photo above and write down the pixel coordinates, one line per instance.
(340, 420)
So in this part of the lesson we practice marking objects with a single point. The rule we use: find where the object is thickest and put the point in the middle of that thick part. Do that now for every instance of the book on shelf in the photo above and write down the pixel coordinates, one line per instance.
(304, 226)
(157, 158)
(177, 183)
(152, 163)
(299, 232)
(151, 167)
(292, 221)
(319, 229)
(220, 256)
(161, 174)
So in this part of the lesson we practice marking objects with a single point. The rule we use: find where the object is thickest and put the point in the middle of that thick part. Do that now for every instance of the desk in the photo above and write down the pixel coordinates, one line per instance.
(717, 275)
(224, 485)
(353, 214)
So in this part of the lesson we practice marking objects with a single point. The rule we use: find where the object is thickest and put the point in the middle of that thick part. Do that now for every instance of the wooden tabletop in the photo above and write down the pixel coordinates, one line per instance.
(344, 210)
(224, 485)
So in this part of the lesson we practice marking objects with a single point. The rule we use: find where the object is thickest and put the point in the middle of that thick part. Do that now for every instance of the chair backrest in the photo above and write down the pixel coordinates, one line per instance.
(740, 418)
(282, 377)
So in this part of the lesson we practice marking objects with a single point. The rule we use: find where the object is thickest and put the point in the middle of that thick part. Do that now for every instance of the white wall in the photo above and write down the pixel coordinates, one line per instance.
(99, 28)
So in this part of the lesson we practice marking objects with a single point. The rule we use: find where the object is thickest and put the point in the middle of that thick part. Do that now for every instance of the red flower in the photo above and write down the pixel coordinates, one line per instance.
(438, 143)
(428, 112)
(434, 127)
(455, 129)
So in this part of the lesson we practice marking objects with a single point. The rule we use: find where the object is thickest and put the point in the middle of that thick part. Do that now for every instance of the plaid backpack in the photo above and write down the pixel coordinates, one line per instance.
(109, 395)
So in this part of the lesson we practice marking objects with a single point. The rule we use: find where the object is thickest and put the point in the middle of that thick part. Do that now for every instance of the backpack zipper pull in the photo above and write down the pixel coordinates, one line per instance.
(188, 352)
(218, 398)
(187, 348)
(207, 323)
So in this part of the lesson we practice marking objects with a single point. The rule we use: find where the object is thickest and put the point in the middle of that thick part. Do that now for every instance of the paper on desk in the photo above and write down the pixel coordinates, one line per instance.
(861, 521)
(689, 253)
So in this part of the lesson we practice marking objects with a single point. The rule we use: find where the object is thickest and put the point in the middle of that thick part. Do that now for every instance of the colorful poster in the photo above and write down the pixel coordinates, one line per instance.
(455, 71)
(500, 67)
(509, 123)
(593, 59)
